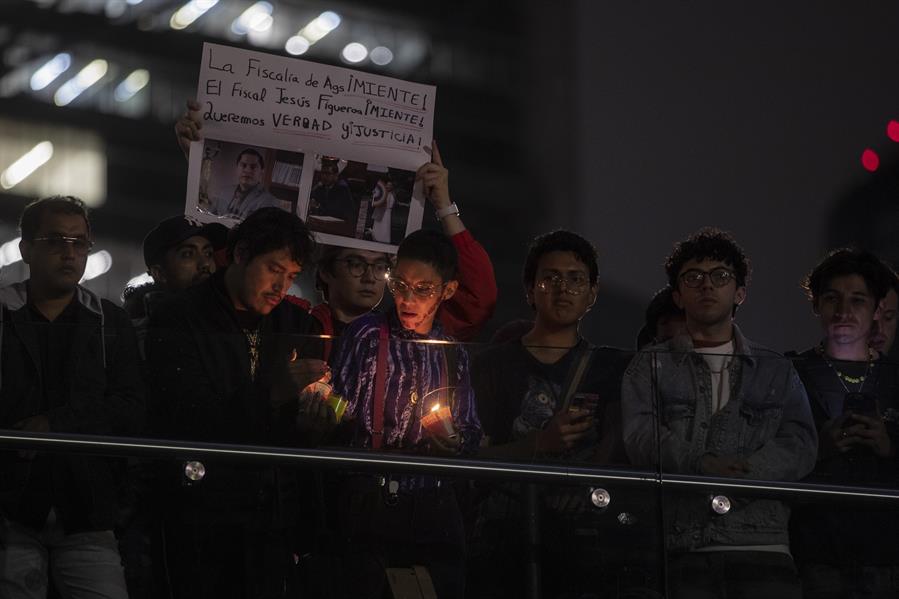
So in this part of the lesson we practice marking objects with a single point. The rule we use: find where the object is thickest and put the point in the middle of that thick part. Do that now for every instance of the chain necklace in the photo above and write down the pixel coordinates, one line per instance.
(845, 378)
(253, 349)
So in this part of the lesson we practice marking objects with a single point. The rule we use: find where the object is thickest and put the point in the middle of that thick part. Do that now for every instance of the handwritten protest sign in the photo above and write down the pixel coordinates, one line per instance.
(336, 146)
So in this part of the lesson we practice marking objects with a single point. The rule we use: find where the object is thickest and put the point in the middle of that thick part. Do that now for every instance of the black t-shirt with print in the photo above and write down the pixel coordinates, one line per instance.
(517, 394)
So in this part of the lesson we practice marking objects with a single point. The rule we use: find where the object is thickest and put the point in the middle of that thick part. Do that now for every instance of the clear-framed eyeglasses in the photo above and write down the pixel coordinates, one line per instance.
(57, 244)
(573, 284)
(718, 276)
(400, 287)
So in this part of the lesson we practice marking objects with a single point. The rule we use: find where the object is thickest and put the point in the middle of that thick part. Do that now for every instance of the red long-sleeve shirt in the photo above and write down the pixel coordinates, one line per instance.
(464, 315)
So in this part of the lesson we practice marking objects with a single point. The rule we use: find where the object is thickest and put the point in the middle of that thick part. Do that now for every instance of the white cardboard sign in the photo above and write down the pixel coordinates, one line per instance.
(337, 147)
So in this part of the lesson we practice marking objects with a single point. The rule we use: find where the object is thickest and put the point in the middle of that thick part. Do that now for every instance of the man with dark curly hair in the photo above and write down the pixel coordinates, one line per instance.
(722, 406)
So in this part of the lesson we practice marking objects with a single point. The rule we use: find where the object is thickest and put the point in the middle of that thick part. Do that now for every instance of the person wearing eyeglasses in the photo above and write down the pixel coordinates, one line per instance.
(70, 364)
(549, 395)
(521, 385)
(352, 281)
(712, 402)
(395, 370)
(853, 390)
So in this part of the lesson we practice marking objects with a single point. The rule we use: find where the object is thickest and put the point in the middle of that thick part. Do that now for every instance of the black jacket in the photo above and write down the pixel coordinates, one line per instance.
(199, 365)
(102, 393)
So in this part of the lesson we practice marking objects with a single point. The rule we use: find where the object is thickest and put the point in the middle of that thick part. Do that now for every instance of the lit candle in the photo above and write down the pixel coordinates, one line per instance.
(439, 421)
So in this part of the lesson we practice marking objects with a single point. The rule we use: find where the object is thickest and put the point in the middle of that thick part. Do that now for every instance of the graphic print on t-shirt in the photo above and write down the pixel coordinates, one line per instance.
(537, 406)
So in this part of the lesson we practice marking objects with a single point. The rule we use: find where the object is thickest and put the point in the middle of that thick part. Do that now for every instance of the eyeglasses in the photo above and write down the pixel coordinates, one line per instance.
(57, 244)
(357, 268)
(404, 289)
(718, 276)
(574, 284)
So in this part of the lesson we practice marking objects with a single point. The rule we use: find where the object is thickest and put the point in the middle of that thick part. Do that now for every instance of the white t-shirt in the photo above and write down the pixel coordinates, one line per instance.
(719, 358)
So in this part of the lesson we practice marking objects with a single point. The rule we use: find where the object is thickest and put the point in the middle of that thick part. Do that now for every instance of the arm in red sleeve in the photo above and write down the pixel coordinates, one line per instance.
(464, 315)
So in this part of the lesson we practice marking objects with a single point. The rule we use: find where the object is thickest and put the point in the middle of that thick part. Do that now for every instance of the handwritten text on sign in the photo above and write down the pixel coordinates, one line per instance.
(338, 108)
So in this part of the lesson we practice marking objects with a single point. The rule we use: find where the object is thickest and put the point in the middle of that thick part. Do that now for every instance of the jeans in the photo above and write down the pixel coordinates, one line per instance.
(733, 575)
(84, 565)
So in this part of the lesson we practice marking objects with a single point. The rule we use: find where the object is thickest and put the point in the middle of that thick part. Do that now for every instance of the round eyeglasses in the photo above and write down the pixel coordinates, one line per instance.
(357, 268)
(718, 276)
(572, 284)
(405, 290)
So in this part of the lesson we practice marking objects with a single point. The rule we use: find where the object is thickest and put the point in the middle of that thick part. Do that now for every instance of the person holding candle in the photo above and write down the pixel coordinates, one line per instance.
(404, 393)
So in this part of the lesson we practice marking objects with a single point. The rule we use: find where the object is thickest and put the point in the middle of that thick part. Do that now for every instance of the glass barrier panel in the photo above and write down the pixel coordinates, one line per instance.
(778, 472)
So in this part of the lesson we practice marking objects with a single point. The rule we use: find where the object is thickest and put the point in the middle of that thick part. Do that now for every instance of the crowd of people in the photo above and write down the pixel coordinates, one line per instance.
(216, 349)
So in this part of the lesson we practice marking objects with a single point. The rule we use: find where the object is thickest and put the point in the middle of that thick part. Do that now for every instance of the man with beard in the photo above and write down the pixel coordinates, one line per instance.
(853, 392)
(249, 194)
(70, 364)
(227, 359)
(178, 255)
(711, 402)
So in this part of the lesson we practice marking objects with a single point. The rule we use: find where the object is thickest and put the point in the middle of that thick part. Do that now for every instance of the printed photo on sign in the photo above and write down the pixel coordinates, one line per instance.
(359, 201)
(237, 179)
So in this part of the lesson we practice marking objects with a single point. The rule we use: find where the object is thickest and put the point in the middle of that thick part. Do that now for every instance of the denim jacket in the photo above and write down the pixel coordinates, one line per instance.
(766, 422)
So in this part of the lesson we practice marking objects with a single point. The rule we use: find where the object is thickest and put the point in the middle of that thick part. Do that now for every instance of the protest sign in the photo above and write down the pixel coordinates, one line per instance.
(337, 147)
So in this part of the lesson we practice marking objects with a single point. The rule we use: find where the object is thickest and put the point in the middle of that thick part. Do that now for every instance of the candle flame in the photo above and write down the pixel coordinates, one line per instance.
(435, 407)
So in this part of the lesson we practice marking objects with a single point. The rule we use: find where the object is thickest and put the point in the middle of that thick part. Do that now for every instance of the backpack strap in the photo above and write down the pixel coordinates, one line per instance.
(377, 421)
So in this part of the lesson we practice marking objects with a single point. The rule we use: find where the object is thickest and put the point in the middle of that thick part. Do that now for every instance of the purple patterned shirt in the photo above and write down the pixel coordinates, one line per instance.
(413, 370)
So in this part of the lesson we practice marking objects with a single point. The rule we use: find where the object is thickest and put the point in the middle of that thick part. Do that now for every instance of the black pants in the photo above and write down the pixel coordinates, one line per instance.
(227, 560)
(733, 575)
(374, 530)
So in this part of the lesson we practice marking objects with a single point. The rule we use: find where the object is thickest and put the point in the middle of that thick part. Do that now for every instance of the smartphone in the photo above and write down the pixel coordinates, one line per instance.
(859, 403)
(585, 403)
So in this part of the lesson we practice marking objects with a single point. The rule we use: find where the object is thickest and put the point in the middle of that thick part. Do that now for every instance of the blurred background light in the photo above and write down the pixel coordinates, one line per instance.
(51, 69)
(381, 56)
(98, 264)
(190, 12)
(354, 52)
(32, 160)
(78, 84)
(132, 84)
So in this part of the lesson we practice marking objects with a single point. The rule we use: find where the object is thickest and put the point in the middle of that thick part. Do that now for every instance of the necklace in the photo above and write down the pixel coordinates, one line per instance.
(253, 349)
(845, 378)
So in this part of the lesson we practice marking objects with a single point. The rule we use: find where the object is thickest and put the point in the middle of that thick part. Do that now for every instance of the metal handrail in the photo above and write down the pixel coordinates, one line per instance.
(370, 461)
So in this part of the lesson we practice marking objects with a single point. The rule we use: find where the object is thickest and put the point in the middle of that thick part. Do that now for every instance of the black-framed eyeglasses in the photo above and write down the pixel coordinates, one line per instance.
(402, 288)
(718, 276)
(574, 284)
(357, 267)
(57, 244)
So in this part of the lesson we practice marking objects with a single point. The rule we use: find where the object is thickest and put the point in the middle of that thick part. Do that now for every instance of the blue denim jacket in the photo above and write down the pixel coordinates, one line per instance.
(668, 423)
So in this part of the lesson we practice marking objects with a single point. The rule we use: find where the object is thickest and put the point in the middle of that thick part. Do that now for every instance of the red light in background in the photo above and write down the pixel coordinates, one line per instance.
(870, 160)
(893, 131)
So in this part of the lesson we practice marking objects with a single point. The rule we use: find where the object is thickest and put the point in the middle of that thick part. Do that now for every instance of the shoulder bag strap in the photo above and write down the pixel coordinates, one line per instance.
(377, 421)
(575, 375)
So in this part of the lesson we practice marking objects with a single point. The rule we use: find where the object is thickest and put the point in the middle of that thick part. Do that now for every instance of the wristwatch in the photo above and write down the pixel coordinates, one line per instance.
(444, 212)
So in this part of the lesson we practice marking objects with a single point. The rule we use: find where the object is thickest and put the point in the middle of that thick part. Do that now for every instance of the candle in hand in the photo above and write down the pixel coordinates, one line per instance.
(439, 421)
